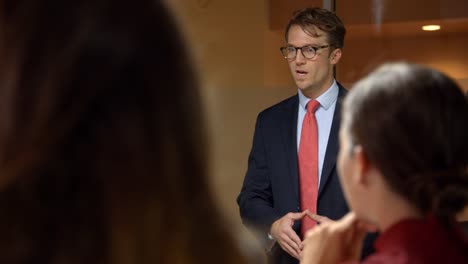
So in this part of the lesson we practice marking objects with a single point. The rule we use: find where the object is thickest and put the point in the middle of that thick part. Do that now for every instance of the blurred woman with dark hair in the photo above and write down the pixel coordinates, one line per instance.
(403, 165)
(101, 139)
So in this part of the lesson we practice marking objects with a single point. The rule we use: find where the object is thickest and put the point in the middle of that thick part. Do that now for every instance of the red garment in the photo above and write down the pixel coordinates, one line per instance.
(420, 241)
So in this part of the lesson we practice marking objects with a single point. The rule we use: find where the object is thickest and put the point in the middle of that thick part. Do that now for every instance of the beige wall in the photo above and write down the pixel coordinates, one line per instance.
(242, 72)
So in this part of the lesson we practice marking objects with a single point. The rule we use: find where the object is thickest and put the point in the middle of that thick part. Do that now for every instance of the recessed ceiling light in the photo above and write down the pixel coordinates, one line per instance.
(431, 27)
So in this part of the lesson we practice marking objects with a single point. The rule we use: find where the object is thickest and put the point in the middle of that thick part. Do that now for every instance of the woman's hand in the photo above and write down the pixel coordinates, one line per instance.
(334, 242)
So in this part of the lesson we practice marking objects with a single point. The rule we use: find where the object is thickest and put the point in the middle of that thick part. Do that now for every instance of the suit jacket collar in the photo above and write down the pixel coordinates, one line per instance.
(289, 131)
(331, 154)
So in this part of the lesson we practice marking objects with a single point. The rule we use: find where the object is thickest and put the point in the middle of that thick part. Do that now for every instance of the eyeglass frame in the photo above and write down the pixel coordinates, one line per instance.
(302, 52)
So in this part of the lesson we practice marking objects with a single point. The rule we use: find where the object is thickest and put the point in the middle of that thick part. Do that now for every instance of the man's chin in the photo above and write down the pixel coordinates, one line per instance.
(301, 86)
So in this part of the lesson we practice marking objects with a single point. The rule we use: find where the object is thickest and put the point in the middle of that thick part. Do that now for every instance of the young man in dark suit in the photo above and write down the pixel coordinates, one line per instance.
(291, 182)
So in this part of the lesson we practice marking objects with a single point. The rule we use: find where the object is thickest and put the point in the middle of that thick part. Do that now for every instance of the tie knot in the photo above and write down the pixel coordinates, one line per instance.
(312, 106)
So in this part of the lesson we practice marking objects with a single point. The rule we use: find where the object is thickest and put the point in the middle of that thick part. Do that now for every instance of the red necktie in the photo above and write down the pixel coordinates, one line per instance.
(308, 165)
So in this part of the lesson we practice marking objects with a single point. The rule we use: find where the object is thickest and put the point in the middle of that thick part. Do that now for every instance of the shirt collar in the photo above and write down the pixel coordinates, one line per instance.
(326, 99)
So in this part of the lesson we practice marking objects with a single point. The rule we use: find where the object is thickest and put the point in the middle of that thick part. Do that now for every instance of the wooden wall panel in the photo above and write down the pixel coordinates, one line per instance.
(280, 11)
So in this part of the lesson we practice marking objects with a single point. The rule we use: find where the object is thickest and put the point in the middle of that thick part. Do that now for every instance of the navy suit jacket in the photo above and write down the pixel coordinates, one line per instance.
(271, 184)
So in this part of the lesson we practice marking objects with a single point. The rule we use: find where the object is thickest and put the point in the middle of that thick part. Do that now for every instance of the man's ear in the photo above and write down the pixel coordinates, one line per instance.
(335, 56)
(363, 165)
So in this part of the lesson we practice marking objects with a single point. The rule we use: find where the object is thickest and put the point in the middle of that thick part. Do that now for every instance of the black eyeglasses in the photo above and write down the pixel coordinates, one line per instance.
(309, 51)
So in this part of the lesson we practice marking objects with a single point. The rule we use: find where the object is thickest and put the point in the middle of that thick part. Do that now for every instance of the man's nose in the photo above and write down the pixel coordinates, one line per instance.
(299, 57)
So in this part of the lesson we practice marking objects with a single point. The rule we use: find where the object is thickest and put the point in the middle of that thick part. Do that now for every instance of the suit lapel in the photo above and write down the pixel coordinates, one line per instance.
(289, 134)
(331, 154)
